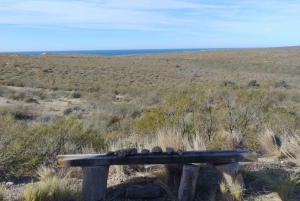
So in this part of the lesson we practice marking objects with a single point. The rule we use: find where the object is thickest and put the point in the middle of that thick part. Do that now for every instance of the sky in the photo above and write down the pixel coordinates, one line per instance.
(49, 25)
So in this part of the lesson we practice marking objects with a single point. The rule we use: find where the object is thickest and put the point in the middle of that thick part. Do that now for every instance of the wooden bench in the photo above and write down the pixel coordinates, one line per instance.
(96, 166)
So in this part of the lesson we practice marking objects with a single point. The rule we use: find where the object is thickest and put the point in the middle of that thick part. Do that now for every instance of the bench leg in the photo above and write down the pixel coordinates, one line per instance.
(231, 174)
(94, 183)
(188, 182)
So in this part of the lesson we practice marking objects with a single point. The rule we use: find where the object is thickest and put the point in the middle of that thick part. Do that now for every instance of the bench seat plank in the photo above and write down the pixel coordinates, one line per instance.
(215, 156)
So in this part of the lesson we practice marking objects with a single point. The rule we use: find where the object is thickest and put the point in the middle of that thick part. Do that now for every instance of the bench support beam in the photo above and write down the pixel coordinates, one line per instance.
(188, 182)
(94, 183)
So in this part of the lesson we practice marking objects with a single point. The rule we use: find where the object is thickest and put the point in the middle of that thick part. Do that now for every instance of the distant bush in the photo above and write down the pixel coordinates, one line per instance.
(296, 98)
(19, 113)
(281, 84)
(12, 96)
(75, 95)
(29, 100)
(229, 83)
(15, 95)
(279, 96)
(67, 111)
(253, 83)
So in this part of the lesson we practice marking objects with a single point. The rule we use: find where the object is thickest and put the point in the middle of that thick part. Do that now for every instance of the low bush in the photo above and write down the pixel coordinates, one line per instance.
(253, 83)
(295, 98)
(279, 96)
(21, 113)
(27, 147)
(75, 95)
(12, 96)
(29, 100)
(281, 84)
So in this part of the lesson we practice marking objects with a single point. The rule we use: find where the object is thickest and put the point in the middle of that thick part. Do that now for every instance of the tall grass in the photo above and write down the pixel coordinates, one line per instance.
(52, 188)
(2, 193)
(284, 185)
(285, 146)
(231, 193)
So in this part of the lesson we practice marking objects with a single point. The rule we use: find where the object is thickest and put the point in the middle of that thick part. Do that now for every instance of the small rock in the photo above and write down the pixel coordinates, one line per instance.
(109, 153)
(9, 183)
(128, 150)
(121, 153)
(180, 152)
(145, 151)
(169, 150)
(157, 150)
(133, 151)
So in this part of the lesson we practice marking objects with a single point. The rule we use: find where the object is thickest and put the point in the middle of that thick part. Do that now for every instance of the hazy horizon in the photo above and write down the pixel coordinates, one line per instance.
(213, 48)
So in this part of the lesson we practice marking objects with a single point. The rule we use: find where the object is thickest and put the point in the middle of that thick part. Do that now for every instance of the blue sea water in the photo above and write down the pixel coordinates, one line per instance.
(115, 52)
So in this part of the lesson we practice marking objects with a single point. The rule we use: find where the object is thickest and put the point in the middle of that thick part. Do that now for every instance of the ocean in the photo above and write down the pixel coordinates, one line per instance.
(116, 52)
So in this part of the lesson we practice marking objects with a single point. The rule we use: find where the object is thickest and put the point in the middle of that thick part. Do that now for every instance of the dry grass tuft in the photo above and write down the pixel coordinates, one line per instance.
(46, 172)
(231, 193)
(51, 189)
(270, 143)
(287, 145)
(171, 137)
(2, 193)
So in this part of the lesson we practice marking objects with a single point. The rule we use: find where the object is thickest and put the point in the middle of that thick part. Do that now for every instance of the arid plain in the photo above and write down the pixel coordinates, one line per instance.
(218, 99)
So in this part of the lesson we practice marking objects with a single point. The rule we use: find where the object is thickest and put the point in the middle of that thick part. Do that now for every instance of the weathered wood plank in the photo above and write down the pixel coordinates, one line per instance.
(220, 156)
(188, 182)
(70, 156)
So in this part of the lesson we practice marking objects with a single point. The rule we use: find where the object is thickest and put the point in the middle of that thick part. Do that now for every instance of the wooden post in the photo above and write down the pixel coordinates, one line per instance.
(94, 183)
(188, 182)
(231, 174)
(143, 192)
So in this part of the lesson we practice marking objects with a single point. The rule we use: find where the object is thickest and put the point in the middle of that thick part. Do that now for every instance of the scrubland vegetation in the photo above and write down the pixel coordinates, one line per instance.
(233, 99)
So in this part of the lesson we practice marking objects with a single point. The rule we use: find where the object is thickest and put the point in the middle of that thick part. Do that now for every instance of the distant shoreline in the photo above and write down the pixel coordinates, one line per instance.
(119, 52)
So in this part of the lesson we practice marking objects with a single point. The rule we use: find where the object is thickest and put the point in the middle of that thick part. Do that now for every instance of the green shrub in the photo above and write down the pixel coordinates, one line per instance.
(67, 111)
(219, 142)
(253, 83)
(15, 95)
(12, 96)
(151, 121)
(75, 95)
(27, 147)
(29, 100)
(22, 114)
(284, 185)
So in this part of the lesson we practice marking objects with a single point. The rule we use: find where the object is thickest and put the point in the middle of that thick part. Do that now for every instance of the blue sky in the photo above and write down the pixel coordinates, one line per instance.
(45, 25)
